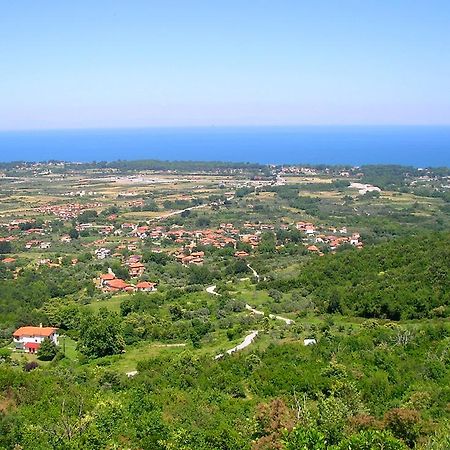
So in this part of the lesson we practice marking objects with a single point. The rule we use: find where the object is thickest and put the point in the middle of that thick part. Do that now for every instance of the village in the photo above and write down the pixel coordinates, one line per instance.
(153, 233)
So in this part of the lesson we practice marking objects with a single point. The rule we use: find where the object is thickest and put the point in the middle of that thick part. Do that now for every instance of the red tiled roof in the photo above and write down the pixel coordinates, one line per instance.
(117, 284)
(32, 345)
(145, 285)
(8, 260)
(107, 276)
(34, 331)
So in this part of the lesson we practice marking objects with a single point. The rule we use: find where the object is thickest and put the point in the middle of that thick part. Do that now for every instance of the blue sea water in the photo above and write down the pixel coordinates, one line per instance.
(420, 146)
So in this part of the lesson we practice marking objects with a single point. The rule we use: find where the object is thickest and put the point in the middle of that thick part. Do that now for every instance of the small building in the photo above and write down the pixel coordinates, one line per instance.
(136, 269)
(103, 253)
(30, 338)
(309, 342)
(117, 284)
(146, 286)
(8, 260)
(104, 278)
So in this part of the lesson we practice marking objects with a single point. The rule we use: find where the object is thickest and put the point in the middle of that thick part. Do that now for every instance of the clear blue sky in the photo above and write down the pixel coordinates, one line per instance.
(98, 63)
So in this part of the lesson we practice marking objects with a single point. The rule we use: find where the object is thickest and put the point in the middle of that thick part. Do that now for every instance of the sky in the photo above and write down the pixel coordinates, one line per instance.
(139, 63)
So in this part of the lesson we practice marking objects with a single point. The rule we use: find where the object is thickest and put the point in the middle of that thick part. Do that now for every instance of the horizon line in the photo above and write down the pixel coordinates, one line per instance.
(222, 126)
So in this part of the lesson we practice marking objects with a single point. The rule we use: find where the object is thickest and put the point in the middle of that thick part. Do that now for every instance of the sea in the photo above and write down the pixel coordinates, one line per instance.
(419, 146)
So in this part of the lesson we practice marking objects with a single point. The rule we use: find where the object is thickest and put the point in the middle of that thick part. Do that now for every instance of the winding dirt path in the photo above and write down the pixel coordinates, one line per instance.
(272, 316)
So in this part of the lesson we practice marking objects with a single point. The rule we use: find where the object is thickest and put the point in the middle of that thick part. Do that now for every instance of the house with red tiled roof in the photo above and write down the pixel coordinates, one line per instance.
(107, 276)
(8, 260)
(117, 285)
(146, 286)
(241, 254)
(30, 338)
(136, 269)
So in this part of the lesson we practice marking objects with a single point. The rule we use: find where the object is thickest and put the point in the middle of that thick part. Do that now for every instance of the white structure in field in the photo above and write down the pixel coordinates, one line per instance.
(30, 338)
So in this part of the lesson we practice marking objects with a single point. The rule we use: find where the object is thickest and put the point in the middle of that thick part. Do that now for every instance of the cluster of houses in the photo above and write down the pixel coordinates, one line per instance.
(108, 282)
(227, 235)
(43, 245)
(296, 170)
(67, 211)
(195, 258)
(332, 237)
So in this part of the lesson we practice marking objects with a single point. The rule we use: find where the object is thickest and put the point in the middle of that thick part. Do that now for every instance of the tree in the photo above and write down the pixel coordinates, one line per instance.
(237, 267)
(73, 233)
(48, 350)
(101, 334)
(119, 270)
(334, 305)
(5, 355)
(372, 439)
(5, 247)
(200, 275)
(87, 216)
(301, 438)
(404, 424)
(176, 313)
(203, 221)
(267, 244)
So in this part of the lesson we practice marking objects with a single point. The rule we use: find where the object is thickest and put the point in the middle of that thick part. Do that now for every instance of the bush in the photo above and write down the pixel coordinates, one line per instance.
(29, 366)
(309, 439)
(404, 424)
(370, 440)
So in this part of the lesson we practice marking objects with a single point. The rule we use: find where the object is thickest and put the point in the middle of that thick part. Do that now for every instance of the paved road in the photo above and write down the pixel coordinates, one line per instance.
(212, 290)
(245, 343)
(255, 273)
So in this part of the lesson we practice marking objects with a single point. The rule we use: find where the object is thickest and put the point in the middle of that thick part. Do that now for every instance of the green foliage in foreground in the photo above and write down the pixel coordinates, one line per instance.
(368, 389)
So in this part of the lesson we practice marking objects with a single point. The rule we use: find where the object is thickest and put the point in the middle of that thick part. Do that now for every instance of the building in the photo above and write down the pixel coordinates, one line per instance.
(146, 286)
(116, 285)
(136, 269)
(30, 338)
(103, 253)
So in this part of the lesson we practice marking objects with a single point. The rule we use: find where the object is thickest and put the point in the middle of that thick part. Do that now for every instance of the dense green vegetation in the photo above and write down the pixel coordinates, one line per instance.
(378, 383)
(408, 278)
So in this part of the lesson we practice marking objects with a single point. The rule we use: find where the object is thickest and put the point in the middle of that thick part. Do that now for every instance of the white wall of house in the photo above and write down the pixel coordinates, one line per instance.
(22, 340)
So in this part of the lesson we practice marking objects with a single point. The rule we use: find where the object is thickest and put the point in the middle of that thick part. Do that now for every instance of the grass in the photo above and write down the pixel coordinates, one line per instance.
(69, 347)
(111, 304)
(129, 360)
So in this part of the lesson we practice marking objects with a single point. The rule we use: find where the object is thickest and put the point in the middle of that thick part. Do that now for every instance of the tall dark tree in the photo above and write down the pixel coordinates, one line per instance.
(101, 334)
(48, 350)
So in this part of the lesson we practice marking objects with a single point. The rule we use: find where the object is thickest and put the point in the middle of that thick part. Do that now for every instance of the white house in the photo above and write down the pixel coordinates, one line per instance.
(30, 338)
(102, 253)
